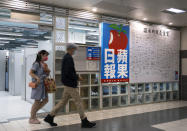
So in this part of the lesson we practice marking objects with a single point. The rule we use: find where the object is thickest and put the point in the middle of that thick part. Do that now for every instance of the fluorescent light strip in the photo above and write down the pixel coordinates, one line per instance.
(91, 41)
(176, 10)
(4, 42)
(29, 46)
(7, 38)
(47, 37)
(93, 33)
(82, 28)
(11, 34)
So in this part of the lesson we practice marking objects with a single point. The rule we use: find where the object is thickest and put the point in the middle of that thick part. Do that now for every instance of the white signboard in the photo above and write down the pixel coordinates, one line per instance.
(154, 53)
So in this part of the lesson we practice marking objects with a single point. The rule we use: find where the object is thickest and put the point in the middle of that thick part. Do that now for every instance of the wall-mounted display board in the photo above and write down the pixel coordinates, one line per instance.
(154, 53)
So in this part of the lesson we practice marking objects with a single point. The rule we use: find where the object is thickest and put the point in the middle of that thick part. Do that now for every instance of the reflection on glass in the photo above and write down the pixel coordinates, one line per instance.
(115, 89)
(95, 91)
(124, 89)
(124, 100)
(58, 93)
(115, 101)
(106, 90)
(147, 98)
(155, 87)
(175, 87)
(147, 87)
(168, 95)
(140, 98)
(85, 80)
(162, 96)
(155, 97)
(162, 88)
(94, 79)
(133, 88)
(106, 102)
(168, 87)
(95, 103)
(140, 88)
(175, 95)
(84, 91)
(133, 99)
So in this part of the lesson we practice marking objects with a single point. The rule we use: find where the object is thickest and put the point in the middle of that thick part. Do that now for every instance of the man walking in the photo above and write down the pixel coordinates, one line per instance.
(69, 78)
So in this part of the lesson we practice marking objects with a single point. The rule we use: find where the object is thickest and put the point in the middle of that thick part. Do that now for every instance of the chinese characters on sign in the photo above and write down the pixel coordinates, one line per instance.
(110, 66)
(115, 54)
(158, 32)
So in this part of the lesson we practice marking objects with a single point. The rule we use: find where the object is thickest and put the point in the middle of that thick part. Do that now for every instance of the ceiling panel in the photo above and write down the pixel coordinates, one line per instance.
(17, 37)
(135, 9)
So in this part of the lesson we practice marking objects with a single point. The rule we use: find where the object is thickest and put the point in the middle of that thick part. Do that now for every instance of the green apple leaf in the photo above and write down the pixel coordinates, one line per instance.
(124, 31)
(114, 26)
(121, 27)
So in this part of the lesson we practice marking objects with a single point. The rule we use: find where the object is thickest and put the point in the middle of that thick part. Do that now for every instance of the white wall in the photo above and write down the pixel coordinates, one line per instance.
(30, 51)
(16, 78)
(11, 72)
(2, 70)
(27, 65)
(19, 78)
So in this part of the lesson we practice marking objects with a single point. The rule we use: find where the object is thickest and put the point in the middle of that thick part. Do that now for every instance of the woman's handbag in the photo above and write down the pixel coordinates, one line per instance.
(50, 85)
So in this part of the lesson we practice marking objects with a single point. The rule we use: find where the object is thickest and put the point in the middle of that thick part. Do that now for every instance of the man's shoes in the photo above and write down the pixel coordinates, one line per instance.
(50, 119)
(87, 124)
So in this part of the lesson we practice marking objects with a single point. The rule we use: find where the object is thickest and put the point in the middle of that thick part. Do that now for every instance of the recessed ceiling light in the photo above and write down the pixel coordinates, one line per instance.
(170, 23)
(145, 19)
(94, 9)
(174, 10)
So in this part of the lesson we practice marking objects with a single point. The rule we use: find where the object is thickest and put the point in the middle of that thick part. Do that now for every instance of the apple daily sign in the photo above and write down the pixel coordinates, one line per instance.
(114, 53)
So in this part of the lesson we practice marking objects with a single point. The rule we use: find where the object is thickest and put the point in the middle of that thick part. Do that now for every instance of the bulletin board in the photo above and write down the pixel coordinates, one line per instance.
(154, 53)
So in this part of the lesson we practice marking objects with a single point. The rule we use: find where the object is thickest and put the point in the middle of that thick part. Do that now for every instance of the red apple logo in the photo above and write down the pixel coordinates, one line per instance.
(118, 40)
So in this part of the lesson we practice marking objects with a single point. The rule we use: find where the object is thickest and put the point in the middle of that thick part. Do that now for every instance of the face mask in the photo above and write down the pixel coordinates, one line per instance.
(46, 58)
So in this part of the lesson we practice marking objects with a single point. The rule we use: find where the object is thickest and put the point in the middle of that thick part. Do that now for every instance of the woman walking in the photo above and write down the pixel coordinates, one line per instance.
(39, 72)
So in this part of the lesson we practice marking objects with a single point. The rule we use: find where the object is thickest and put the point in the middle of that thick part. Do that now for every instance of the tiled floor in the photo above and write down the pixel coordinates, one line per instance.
(133, 118)
(179, 125)
(12, 107)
